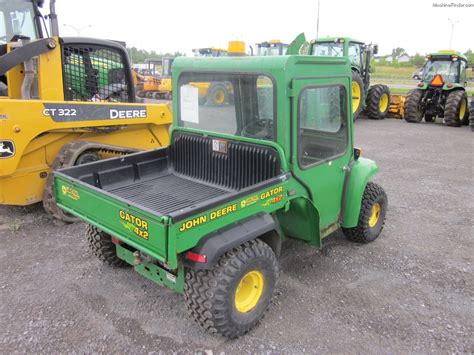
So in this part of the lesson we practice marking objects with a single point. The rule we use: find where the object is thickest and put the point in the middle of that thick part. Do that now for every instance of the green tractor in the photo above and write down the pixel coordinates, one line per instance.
(207, 215)
(376, 98)
(441, 91)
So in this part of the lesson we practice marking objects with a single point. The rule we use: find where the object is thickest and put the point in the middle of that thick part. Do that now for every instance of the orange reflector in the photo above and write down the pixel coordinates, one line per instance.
(437, 80)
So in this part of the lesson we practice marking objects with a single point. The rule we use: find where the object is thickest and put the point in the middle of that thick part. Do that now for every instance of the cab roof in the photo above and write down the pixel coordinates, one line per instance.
(258, 64)
(336, 39)
(445, 54)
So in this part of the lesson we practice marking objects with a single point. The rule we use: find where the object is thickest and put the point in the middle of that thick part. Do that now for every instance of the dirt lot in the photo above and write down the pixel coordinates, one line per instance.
(410, 291)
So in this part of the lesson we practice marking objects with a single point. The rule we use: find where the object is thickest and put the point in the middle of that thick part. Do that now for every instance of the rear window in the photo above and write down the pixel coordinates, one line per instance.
(228, 103)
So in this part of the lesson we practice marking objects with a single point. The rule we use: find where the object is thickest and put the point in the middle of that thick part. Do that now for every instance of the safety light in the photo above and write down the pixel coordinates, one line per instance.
(198, 258)
(437, 80)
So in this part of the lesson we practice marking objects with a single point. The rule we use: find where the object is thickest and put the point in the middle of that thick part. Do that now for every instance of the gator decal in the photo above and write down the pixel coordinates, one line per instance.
(70, 192)
(134, 224)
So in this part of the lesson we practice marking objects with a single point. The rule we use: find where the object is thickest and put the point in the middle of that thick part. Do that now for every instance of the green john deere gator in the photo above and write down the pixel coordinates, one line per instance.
(374, 99)
(207, 215)
(441, 91)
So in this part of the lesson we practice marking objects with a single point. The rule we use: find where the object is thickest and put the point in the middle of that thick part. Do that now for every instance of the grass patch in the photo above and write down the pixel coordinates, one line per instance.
(393, 73)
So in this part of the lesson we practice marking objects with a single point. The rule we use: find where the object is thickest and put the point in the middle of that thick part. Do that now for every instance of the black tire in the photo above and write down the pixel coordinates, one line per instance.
(356, 78)
(471, 114)
(141, 94)
(364, 232)
(217, 95)
(87, 157)
(102, 246)
(157, 96)
(378, 102)
(452, 114)
(413, 111)
(429, 118)
(210, 294)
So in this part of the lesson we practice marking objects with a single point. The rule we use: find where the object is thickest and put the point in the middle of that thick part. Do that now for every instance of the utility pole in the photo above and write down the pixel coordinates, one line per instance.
(452, 31)
(317, 22)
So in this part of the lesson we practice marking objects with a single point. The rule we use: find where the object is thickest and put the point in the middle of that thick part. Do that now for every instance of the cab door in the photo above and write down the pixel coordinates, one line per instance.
(322, 142)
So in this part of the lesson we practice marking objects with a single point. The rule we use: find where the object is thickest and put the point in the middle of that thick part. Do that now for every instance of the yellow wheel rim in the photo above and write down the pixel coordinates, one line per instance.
(383, 103)
(375, 215)
(356, 93)
(249, 291)
(462, 109)
(219, 97)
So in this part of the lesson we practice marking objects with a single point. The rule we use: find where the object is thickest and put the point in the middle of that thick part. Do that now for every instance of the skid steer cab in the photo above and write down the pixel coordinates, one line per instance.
(374, 99)
(207, 215)
(441, 91)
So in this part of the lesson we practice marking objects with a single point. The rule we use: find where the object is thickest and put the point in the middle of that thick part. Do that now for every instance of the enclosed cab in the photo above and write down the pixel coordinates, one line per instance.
(374, 99)
(441, 91)
(207, 215)
(273, 47)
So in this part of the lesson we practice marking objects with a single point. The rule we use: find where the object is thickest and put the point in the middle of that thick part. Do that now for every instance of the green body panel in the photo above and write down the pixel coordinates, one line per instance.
(361, 172)
(104, 212)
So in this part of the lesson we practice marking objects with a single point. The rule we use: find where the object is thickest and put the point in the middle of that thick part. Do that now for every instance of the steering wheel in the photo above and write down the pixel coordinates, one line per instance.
(258, 129)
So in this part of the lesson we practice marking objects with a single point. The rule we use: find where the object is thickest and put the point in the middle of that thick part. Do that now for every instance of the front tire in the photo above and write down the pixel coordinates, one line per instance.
(378, 102)
(471, 114)
(413, 111)
(231, 298)
(372, 215)
(456, 112)
(100, 243)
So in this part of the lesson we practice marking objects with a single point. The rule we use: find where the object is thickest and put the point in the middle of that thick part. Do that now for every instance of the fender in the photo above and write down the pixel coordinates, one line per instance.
(361, 172)
(217, 243)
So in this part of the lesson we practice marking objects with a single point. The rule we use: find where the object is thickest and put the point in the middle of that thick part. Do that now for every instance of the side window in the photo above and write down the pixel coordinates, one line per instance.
(322, 124)
(265, 98)
(462, 70)
(93, 73)
(354, 54)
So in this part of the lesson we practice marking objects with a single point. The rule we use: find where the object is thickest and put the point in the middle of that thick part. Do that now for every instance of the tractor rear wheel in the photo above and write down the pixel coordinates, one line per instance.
(372, 215)
(357, 94)
(471, 114)
(232, 296)
(102, 246)
(456, 111)
(413, 111)
(217, 95)
(378, 102)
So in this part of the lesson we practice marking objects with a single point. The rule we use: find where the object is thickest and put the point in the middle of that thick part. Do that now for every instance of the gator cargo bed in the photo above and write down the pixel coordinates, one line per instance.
(188, 176)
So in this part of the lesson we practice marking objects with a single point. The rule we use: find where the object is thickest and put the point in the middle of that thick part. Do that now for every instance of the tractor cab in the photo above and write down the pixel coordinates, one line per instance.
(447, 66)
(375, 99)
(270, 48)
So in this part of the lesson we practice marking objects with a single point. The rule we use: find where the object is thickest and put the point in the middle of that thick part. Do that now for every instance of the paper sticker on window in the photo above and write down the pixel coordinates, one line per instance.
(189, 103)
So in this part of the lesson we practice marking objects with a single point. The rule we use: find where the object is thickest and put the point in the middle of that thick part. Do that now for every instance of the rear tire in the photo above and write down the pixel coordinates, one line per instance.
(233, 296)
(456, 110)
(372, 215)
(413, 111)
(378, 102)
(102, 246)
(217, 95)
(358, 94)
(471, 114)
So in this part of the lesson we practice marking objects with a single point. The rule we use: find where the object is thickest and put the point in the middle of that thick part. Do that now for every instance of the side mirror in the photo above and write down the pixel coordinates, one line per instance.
(416, 77)
(376, 49)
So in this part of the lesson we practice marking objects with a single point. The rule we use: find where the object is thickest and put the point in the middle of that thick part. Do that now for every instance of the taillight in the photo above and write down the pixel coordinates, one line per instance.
(198, 258)
(449, 86)
(420, 85)
(437, 80)
(116, 241)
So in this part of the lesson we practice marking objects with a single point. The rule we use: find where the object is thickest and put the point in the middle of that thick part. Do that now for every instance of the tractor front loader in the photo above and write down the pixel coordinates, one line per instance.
(441, 91)
(64, 102)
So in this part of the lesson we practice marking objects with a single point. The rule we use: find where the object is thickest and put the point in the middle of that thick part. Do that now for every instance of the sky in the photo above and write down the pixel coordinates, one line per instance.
(181, 25)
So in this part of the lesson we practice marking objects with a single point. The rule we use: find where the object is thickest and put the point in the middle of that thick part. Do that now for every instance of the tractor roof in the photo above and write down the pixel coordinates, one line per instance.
(336, 39)
(445, 54)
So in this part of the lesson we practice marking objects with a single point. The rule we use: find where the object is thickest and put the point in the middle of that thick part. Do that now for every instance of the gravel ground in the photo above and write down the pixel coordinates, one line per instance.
(410, 291)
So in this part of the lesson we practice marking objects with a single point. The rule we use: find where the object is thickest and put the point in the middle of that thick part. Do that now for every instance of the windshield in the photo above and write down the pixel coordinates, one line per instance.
(448, 69)
(234, 104)
(16, 18)
(271, 49)
(330, 49)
